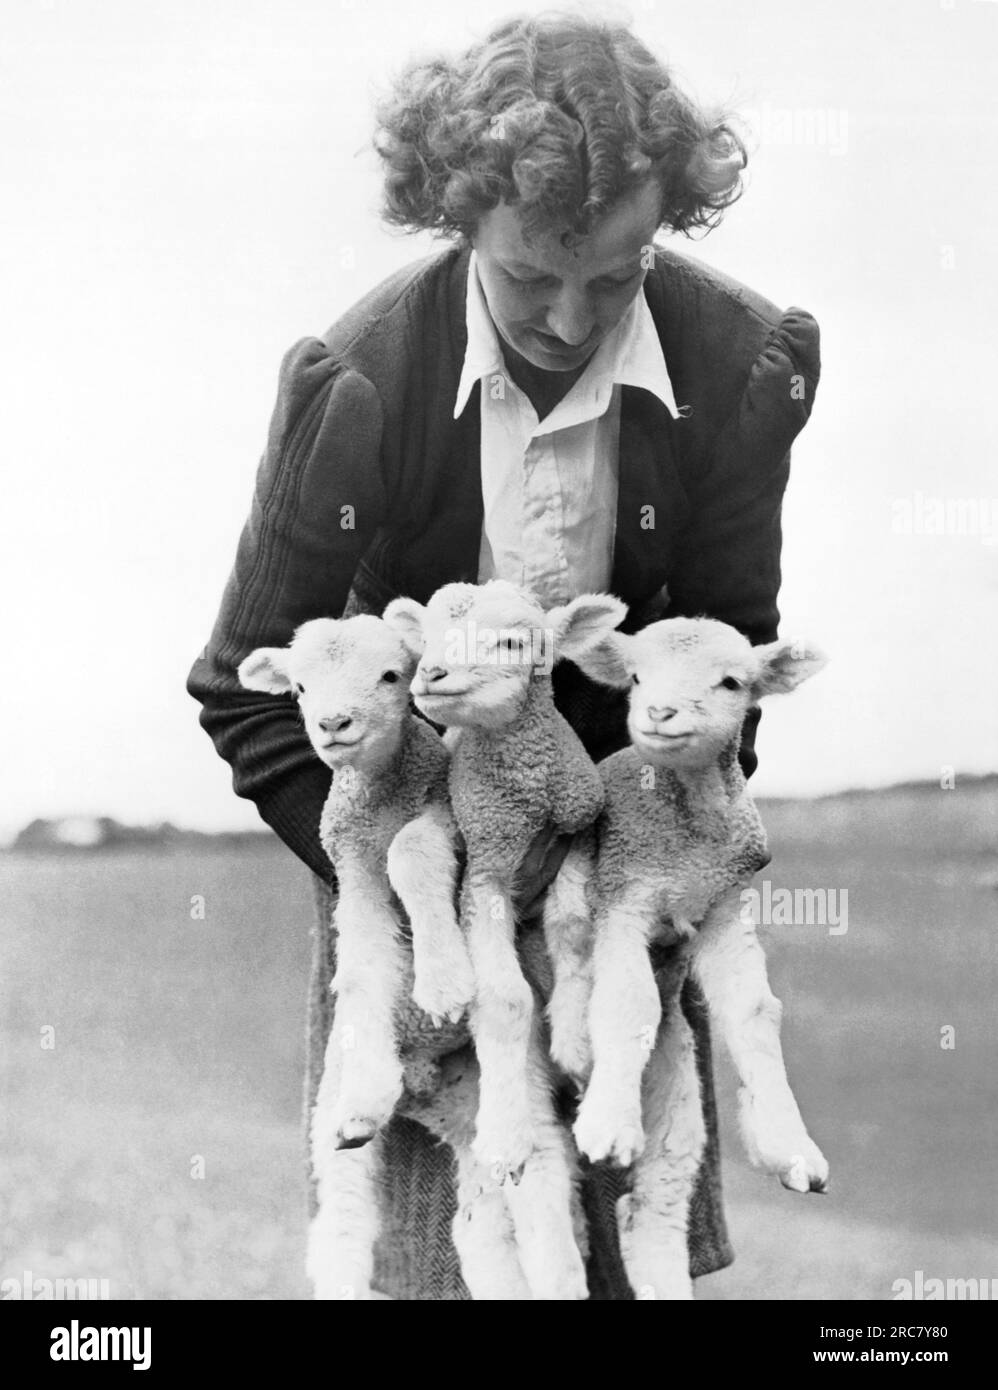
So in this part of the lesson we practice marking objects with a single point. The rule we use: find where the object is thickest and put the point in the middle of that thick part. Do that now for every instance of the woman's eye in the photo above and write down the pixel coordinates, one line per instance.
(527, 281)
(391, 677)
(730, 683)
(608, 284)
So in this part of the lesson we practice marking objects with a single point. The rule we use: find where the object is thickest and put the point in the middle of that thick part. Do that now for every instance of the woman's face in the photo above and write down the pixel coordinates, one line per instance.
(555, 306)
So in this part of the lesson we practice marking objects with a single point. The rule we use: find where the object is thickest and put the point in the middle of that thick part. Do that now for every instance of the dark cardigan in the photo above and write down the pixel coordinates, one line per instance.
(369, 488)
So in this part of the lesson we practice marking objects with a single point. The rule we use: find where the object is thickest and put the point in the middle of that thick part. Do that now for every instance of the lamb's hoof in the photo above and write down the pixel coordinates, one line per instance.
(806, 1173)
(443, 1001)
(505, 1157)
(599, 1138)
(502, 1171)
(361, 1110)
(356, 1132)
(777, 1142)
(441, 1017)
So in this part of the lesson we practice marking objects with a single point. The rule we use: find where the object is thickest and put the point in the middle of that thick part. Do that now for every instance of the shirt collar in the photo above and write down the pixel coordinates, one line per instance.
(629, 356)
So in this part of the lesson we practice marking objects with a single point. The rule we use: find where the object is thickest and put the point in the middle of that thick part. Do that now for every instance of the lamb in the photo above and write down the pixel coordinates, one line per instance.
(678, 840)
(517, 767)
(386, 824)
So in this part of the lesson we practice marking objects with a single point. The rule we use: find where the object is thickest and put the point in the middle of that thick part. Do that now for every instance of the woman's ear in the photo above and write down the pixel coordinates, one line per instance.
(405, 616)
(266, 670)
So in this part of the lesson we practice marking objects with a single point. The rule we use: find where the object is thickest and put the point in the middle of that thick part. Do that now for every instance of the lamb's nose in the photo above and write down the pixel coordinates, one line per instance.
(336, 724)
(661, 713)
(432, 673)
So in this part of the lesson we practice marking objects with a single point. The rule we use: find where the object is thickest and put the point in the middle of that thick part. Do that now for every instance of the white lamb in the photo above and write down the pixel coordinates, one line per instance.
(517, 768)
(678, 840)
(386, 824)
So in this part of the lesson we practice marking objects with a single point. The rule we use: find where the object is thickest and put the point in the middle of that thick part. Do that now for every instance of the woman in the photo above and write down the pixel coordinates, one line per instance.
(552, 401)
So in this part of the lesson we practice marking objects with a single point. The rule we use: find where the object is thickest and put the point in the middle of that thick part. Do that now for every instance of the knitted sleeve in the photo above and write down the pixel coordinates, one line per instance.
(319, 498)
(728, 565)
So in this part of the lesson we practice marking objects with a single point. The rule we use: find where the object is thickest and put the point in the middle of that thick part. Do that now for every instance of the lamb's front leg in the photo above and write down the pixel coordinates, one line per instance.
(624, 1014)
(653, 1218)
(369, 980)
(422, 867)
(731, 966)
(500, 1025)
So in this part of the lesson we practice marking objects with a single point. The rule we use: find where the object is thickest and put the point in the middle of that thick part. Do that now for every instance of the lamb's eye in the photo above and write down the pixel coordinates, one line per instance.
(730, 683)
(635, 680)
(299, 688)
(391, 677)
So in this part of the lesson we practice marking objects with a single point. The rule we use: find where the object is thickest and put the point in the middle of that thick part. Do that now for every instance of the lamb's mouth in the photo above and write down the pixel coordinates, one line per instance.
(659, 736)
(336, 745)
(427, 696)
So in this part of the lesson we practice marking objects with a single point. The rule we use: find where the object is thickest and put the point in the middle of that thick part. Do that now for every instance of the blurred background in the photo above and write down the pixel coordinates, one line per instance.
(191, 190)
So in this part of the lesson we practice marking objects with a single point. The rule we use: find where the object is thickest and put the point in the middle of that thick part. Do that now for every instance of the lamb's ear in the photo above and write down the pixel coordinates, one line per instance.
(785, 665)
(266, 670)
(405, 616)
(609, 662)
(585, 622)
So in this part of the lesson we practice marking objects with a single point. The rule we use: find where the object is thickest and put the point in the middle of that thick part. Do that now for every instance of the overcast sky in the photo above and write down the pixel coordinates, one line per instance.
(189, 190)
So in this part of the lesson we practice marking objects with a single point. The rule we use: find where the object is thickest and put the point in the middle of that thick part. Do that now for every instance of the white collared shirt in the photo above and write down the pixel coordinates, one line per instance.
(549, 487)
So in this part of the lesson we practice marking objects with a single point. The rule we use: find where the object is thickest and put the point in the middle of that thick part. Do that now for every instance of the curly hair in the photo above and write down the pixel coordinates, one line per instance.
(559, 115)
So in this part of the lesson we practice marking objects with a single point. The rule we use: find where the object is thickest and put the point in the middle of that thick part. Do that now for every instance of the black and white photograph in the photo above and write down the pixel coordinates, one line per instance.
(500, 557)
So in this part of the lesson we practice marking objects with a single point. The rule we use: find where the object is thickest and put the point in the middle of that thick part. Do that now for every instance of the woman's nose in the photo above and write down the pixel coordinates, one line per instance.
(572, 320)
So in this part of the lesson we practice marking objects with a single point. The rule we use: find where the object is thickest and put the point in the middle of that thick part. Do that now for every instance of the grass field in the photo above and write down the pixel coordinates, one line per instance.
(152, 1062)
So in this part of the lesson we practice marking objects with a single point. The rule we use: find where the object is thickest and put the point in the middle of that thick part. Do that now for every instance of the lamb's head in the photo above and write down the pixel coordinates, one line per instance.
(692, 681)
(351, 679)
(482, 647)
